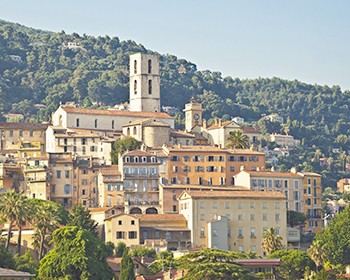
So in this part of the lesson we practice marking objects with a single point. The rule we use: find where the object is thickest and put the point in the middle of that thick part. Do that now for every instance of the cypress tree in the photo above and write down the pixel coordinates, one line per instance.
(126, 267)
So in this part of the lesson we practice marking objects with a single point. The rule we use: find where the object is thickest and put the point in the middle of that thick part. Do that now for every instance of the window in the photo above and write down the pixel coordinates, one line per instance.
(84, 171)
(215, 233)
(83, 192)
(186, 180)
(11, 132)
(228, 232)
(277, 217)
(197, 158)
(202, 204)
(253, 248)
(174, 158)
(309, 190)
(222, 181)
(239, 217)
(297, 206)
(66, 173)
(232, 169)
(150, 87)
(221, 158)
(92, 148)
(264, 217)
(227, 205)
(315, 192)
(112, 124)
(21, 133)
(239, 205)
(202, 217)
(31, 133)
(277, 205)
(86, 182)
(83, 141)
(120, 235)
(252, 205)
(74, 148)
(285, 183)
(58, 174)
(53, 189)
(240, 248)
(264, 205)
(214, 205)
(135, 66)
(315, 183)
(200, 181)
(296, 195)
(240, 232)
(149, 66)
(67, 189)
(173, 180)
(175, 168)
(252, 232)
(186, 158)
(309, 181)
(270, 183)
(252, 217)
(202, 232)
(174, 197)
(132, 234)
(296, 184)
(228, 217)
(135, 87)
(198, 168)
(77, 122)
(210, 181)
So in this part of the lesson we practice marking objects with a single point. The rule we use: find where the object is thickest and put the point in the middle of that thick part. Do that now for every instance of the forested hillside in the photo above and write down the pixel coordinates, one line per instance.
(96, 75)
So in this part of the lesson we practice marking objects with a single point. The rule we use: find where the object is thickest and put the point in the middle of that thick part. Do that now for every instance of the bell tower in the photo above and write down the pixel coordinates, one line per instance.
(144, 82)
(193, 114)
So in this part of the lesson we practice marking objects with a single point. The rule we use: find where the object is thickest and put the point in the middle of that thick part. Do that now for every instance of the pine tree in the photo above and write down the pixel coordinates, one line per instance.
(126, 267)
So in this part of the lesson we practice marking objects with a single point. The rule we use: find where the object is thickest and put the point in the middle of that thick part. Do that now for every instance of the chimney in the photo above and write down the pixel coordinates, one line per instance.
(293, 170)
(242, 168)
(272, 168)
(220, 123)
(216, 120)
(205, 123)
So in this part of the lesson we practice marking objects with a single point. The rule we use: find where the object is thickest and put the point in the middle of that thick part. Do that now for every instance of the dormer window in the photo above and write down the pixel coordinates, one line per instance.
(144, 159)
(127, 159)
(136, 159)
(153, 159)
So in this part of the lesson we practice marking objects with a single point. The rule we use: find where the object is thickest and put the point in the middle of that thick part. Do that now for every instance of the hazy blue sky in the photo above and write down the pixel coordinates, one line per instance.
(304, 40)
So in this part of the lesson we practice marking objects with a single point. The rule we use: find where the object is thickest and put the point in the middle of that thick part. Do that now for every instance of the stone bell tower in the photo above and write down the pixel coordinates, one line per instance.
(144, 83)
(193, 114)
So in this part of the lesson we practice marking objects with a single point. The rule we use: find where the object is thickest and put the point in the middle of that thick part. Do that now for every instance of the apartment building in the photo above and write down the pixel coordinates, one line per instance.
(233, 220)
(159, 231)
(38, 178)
(13, 133)
(11, 177)
(284, 140)
(85, 181)
(78, 142)
(140, 172)
(61, 165)
(208, 165)
(110, 187)
(29, 149)
(288, 183)
(313, 201)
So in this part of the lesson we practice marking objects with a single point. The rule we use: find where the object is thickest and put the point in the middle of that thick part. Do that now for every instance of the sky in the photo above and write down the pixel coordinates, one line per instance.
(304, 40)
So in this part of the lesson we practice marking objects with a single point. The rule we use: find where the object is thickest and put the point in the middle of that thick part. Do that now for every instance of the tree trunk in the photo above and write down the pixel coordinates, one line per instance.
(41, 250)
(19, 240)
(9, 235)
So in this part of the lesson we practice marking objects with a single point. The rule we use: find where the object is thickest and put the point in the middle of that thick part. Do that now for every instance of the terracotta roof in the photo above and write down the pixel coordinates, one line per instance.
(101, 209)
(96, 130)
(201, 148)
(233, 194)
(223, 124)
(201, 187)
(309, 174)
(9, 151)
(249, 129)
(24, 126)
(159, 217)
(114, 262)
(147, 122)
(14, 273)
(179, 133)
(272, 173)
(110, 170)
(138, 153)
(147, 261)
(116, 113)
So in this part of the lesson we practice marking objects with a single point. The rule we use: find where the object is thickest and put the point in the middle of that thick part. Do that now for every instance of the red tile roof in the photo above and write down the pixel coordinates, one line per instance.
(138, 153)
(14, 273)
(24, 126)
(235, 194)
(249, 129)
(223, 124)
(160, 217)
(147, 122)
(116, 113)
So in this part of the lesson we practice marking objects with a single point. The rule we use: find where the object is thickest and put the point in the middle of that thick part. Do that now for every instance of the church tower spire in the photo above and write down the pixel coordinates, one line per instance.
(144, 82)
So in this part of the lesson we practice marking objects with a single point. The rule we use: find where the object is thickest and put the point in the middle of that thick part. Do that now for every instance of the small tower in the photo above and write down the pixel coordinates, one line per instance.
(193, 114)
(144, 83)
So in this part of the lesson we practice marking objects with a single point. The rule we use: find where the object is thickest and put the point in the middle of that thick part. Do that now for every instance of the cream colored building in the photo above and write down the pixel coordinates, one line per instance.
(140, 172)
(61, 165)
(284, 140)
(13, 133)
(288, 183)
(144, 82)
(110, 187)
(233, 220)
(79, 143)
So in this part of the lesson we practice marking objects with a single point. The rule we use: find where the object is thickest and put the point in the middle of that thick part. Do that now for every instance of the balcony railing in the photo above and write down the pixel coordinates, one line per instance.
(140, 190)
(314, 216)
(142, 176)
(141, 203)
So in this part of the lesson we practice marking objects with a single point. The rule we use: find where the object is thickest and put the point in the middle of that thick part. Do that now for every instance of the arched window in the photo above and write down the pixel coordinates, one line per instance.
(128, 131)
(60, 120)
(136, 159)
(149, 66)
(150, 87)
(144, 159)
(112, 124)
(77, 123)
(135, 87)
(95, 123)
(127, 159)
(135, 67)
(135, 131)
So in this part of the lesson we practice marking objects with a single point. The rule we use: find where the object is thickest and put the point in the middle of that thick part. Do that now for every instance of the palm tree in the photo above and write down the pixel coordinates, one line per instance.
(11, 209)
(342, 157)
(317, 253)
(237, 140)
(271, 241)
(21, 221)
(45, 222)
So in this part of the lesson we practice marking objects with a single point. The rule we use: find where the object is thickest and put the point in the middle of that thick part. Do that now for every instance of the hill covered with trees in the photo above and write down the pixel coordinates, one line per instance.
(95, 73)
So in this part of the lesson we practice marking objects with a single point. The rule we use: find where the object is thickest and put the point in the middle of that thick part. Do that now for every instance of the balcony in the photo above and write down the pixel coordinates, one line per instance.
(142, 176)
(140, 190)
(317, 206)
(141, 203)
(314, 216)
